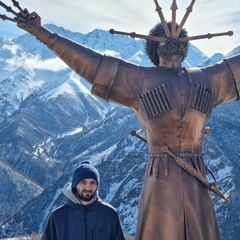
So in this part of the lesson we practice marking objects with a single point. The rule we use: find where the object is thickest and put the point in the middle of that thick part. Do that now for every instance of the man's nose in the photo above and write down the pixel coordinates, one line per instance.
(88, 186)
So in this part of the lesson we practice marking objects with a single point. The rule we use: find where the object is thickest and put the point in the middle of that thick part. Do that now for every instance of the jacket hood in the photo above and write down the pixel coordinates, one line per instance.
(67, 191)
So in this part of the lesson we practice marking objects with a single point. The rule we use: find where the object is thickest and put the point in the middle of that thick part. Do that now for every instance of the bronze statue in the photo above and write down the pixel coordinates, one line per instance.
(173, 105)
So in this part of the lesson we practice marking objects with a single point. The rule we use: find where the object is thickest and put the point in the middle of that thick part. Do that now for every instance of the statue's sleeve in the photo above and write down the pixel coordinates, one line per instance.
(224, 79)
(118, 81)
(234, 64)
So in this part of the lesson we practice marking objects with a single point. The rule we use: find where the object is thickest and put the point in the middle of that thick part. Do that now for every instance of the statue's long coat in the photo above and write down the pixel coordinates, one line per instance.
(173, 107)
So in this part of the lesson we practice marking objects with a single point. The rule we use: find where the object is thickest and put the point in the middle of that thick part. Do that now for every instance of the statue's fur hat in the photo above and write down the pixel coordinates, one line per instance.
(171, 46)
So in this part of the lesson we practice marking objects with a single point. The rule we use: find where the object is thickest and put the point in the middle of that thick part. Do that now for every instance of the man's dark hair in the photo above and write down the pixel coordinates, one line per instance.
(171, 46)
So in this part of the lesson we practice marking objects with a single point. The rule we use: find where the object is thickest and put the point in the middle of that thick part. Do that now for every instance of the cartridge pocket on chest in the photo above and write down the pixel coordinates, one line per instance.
(156, 101)
(203, 99)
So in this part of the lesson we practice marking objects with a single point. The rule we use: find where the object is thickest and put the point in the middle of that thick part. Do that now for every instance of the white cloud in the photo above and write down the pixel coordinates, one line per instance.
(53, 64)
(12, 48)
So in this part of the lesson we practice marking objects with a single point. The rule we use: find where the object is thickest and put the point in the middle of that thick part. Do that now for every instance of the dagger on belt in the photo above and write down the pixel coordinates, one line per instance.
(188, 168)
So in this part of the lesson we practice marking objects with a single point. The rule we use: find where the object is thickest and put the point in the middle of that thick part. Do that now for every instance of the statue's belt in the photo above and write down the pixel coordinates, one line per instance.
(192, 171)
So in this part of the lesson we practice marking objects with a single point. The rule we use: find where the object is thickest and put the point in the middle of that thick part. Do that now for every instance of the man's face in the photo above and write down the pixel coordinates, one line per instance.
(86, 190)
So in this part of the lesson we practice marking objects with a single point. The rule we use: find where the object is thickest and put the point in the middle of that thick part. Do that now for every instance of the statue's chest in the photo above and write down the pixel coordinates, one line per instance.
(169, 90)
(180, 89)
(165, 91)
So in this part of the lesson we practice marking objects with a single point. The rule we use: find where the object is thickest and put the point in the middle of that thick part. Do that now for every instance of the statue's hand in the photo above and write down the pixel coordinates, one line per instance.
(30, 22)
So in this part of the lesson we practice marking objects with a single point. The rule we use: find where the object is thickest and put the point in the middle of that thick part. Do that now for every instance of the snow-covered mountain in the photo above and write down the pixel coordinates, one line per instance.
(49, 122)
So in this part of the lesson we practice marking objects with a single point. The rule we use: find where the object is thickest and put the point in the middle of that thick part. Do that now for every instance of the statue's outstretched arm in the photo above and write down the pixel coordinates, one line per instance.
(82, 60)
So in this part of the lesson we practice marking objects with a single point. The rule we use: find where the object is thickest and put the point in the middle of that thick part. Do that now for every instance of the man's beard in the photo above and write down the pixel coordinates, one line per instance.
(86, 196)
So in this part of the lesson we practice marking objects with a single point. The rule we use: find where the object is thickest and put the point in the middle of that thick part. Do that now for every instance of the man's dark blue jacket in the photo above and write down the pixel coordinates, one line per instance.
(74, 221)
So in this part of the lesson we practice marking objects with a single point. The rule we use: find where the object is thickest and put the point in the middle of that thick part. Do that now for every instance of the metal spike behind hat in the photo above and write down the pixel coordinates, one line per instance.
(174, 32)
(163, 21)
(189, 10)
(174, 9)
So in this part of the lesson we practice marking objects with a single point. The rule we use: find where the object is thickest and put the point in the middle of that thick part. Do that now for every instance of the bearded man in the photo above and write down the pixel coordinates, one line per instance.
(84, 215)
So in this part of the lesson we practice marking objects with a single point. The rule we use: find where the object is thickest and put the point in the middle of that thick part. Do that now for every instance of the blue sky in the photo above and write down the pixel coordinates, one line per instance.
(139, 16)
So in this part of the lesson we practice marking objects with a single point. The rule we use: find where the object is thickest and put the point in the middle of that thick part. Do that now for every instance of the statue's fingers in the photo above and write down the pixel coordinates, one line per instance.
(26, 11)
(4, 17)
(16, 4)
(8, 8)
(22, 25)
